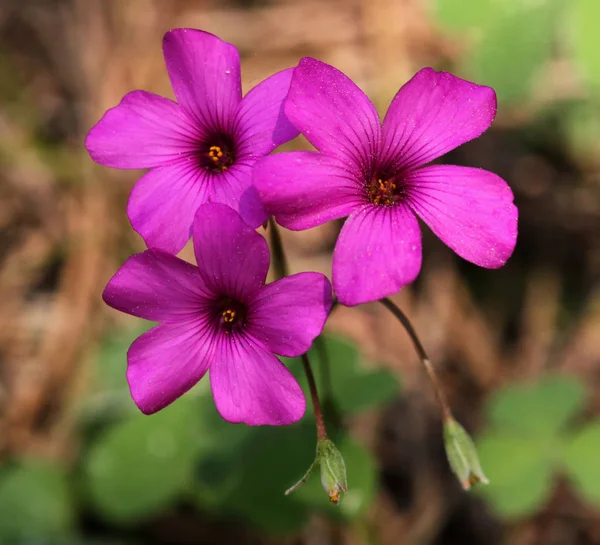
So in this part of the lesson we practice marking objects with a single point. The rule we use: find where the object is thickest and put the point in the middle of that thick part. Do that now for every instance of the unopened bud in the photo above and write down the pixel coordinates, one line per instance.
(333, 470)
(462, 455)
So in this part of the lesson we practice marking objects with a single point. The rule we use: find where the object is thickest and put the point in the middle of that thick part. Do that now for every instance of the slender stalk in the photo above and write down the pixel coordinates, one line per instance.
(325, 369)
(279, 260)
(321, 431)
(281, 270)
(437, 387)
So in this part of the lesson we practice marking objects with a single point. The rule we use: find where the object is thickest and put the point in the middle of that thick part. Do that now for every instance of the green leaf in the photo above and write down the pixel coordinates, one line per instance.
(142, 464)
(581, 455)
(520, 473)
(586, 39)
(560, 398)
(537, 410)
(271, 460)
(354, 387)
(111, 361)
(505, 459)
(220, 464)
(34, 502)
(523, 499)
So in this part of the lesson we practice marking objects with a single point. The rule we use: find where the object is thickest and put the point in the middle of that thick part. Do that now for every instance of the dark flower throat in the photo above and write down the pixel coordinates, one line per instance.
(231, 314)
(217, 154)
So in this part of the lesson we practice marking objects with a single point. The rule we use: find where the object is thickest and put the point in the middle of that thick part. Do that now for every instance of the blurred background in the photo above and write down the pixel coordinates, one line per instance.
(517, 349)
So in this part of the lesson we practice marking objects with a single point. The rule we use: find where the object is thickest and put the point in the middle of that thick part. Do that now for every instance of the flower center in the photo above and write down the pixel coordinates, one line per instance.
(383, 192)
(217, 155)
(231, 314)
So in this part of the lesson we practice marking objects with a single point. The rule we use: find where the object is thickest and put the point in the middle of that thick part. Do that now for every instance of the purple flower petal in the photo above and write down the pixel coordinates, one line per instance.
(434, 113)
(234, 188)
(165, 362)
(288, 314)
(470, 209)
(156, 286)
(205, 75)
(233, 259)
(163, 202)
(303, 189)
(145, 130)
(378, 251)
(333, 113)
(251, 385)
(261, 122)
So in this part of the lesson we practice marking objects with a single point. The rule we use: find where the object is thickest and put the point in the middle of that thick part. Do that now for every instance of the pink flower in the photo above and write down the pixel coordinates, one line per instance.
(201, 148)
(375, 173)
(220, 316)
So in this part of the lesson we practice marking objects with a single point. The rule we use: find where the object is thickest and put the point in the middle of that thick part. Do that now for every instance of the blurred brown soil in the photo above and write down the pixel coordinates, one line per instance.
(63, 232)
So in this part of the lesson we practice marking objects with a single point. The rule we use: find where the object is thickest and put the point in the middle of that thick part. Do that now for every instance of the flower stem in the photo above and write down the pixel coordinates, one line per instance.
(281, 271)
(437, 387)
(321, 431)
(279, 260)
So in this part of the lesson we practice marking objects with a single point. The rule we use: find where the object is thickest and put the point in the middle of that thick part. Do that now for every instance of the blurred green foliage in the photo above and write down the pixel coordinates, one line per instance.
(134, 467)
(526, 49)
(533, 435)
(510, 40)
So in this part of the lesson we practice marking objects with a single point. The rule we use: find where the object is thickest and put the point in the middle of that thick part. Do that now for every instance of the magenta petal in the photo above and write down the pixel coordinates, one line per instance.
(434, 113)
(163, 202)
(333, 113)
(233, 259)
(288, 314)
(251, 385)
(378, 251)
(145, 130)
(205, 75)
(156, 286)
(303, 189)
(261, 122)
(470, 209)
(235, 189)
(166, 362)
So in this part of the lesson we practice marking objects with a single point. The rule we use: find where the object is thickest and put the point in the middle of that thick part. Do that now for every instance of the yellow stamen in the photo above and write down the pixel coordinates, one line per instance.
(334, 497)
(228, 316)
(215, 153)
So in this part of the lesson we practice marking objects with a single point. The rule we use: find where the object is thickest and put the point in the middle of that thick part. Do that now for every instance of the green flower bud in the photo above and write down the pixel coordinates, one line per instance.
(333, 470)
(462, 455)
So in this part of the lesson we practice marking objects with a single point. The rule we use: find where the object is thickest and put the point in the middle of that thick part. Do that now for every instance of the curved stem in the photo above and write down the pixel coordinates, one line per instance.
(281, 270)
(321, 431)
(437, 387)
(279, 260)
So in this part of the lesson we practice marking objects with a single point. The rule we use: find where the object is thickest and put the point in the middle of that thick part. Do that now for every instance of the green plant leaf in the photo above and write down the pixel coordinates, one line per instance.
(355, 388)
(586, 39)
(270, 461)
(111, 360)
(581, 456)
(520, 473)
(35, 502)
(505, 459)
(139, 466)
(537, 410)
(523, 499)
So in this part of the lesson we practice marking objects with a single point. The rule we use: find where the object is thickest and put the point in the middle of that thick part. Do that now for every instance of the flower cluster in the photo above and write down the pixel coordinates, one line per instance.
(212, 178)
